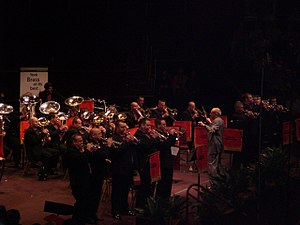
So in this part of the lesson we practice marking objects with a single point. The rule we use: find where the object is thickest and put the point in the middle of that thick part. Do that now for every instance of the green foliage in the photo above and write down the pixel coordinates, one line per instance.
(230, 189)
(165, 211)
(273, 165)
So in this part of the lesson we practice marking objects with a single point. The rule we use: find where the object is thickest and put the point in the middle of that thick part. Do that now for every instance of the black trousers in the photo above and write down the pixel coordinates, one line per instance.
(146, 188)
(164, 186)
(121, 184)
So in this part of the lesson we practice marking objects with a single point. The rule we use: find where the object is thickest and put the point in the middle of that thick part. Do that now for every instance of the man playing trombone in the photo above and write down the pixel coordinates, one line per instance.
(134, 115)
(161, 111)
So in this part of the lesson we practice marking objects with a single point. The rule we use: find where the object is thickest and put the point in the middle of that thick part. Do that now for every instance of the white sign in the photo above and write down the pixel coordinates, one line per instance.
(32, 80)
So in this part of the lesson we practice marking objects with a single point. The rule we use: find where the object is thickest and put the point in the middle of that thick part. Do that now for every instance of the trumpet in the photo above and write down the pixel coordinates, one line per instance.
(159, 135)
(115, 143)
(132, 138)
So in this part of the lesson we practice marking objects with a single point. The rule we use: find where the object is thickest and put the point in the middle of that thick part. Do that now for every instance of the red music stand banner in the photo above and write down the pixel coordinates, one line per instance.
(286, 133)
(87, 105)
(200, 137)
(23, 127)
(132, 130)
(152, 122)
(298, 129)
(187, 126)
(233, 139)
(1, 147)
(154, 161)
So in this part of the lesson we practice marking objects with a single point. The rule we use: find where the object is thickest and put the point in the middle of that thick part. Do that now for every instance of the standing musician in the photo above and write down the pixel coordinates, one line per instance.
(161, 112)
(34, 139)
(76, 127)
(215, 138)
(99, 148)
(141, 102)
(148, 143)
(134, 115)
(122, 156)
(76, 160)
(164, 186)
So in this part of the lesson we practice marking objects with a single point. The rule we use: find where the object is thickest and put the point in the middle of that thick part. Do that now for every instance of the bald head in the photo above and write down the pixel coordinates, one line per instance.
(215, 112)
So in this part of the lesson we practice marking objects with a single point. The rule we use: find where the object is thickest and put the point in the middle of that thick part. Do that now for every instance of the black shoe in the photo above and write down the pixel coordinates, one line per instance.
(128, 213)
(90, 220)
(117, 216)
(96, 218)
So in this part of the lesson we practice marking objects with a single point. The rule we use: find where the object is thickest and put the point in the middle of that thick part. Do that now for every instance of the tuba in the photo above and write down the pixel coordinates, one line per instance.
(74, 102)
(49, 107)
(29, 101)
(4, 110)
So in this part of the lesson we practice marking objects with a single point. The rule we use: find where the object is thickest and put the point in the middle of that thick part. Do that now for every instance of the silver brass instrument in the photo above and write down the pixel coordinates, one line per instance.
(132, 138)
(49, 107)
(160, 136)
(29, 101)
(172, 112)
(4, 110)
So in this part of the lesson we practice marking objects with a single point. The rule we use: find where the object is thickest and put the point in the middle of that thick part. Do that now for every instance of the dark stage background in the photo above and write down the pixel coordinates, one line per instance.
(116, 50)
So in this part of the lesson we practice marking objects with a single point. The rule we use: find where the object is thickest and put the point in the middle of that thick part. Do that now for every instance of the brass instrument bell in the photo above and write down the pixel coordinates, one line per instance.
(49, 107)
(5, 109)
(42, 122)
(74, 101)
(122, 116)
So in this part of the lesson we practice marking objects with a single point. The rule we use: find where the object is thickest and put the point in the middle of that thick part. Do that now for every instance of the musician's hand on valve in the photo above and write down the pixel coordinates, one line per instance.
(89, 146)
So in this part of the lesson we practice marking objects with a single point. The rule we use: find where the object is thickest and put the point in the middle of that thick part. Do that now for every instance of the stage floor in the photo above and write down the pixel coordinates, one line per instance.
(28, 195)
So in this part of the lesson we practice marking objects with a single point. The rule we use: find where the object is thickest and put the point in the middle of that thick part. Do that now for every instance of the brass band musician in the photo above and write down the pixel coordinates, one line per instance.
(161, 112)
(164, 186)
(99, 148)
(148, 145)
(122, 167)
(134, 115)
(34, 140)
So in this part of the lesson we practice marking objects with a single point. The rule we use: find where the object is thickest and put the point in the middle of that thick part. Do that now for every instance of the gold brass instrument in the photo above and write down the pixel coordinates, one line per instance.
(4, 110)
(49, 107)
(122, 116)
(63, 117)
(115, 143)
(74, 101)
(98, 120)
(43, 122)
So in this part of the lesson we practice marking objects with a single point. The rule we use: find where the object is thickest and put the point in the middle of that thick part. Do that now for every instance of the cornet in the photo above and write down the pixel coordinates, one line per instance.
(132, 138)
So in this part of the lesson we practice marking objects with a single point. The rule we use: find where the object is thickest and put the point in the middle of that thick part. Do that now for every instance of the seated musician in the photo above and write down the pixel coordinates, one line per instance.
(191, 114)
(164, 186)
(161, 112)
(34, 139)
(56, 130)
(134, 115)
(76, 127)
